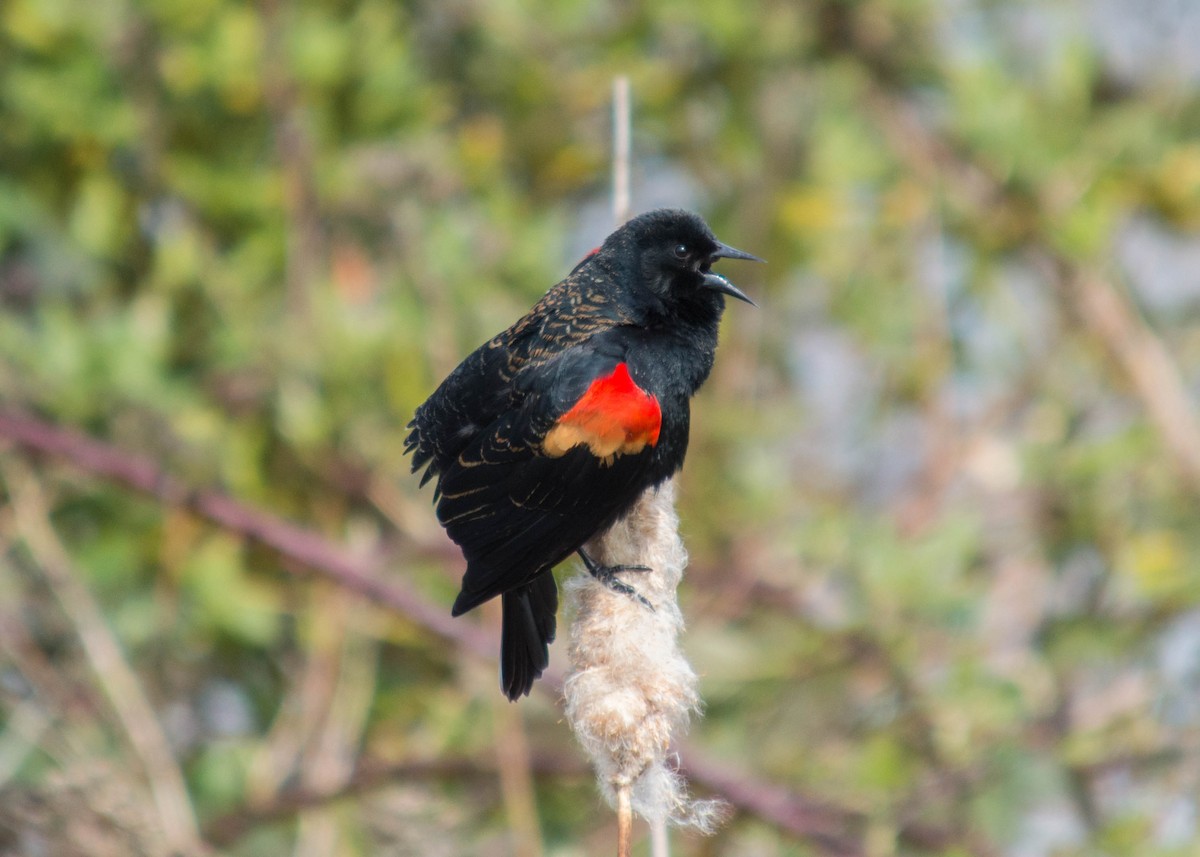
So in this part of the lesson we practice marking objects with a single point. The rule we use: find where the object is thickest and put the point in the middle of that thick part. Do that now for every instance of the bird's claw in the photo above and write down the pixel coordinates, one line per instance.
(607, 574)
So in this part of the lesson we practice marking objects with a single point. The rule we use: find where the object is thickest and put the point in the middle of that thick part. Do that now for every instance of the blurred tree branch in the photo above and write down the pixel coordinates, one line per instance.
(109, 666)
(1105, 313)
(369, 775)
(358, 574)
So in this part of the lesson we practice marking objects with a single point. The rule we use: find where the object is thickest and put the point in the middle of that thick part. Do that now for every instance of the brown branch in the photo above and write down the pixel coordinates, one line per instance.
(225, 830)
(836, 830)
(358, 574)
(1144, 358)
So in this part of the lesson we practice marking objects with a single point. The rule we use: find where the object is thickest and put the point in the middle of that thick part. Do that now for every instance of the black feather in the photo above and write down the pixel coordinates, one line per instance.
(526, 635)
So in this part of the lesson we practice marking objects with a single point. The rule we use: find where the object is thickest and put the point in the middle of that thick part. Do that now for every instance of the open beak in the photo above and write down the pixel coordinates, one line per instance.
(718, 283)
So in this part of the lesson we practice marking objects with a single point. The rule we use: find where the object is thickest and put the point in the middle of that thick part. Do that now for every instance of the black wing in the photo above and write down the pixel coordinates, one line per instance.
(471, 398)
(517, 510)
(482, 388)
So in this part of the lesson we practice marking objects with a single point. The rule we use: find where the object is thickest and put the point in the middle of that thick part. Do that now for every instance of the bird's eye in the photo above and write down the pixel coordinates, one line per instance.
(681, 251)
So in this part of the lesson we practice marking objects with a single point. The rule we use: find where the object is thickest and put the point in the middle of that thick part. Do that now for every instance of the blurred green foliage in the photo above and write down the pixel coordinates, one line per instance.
(945, 566)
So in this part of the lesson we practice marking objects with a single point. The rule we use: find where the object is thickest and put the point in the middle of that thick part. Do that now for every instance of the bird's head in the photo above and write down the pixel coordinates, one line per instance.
(671, 253)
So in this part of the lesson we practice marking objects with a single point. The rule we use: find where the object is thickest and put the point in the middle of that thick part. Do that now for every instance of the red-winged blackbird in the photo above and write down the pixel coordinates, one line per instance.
(545, 435)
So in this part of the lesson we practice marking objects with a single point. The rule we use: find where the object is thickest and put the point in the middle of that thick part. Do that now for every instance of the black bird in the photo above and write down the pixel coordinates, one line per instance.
(544, 436)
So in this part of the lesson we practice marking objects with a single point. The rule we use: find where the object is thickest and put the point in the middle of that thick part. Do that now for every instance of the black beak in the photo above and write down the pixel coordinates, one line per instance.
(724, 251)
(718, 283)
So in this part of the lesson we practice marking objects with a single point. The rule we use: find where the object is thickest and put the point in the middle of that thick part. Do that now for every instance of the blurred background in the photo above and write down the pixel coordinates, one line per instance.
(942, 492)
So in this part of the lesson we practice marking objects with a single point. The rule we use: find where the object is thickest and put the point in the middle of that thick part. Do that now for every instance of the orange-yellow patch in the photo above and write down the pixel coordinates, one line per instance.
(614, 417)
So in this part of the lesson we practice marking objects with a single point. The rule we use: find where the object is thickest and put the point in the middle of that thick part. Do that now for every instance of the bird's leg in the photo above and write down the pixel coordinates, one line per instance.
(607, 574)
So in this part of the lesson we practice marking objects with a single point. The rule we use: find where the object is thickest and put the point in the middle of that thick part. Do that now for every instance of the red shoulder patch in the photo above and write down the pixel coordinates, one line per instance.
(614, 417)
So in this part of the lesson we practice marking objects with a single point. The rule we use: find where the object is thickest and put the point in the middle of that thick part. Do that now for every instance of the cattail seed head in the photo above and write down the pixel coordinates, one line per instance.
(630, 689)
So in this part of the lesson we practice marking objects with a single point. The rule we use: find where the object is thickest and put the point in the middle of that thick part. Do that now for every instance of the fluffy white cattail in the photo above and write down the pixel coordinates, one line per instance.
(630, 689)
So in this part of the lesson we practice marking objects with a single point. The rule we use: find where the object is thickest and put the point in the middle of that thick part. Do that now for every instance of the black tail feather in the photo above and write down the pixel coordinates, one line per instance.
(529, 626)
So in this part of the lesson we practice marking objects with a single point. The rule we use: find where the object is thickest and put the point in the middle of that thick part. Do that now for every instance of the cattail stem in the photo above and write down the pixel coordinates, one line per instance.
(624, 821)
(621, 150)
(660, 843)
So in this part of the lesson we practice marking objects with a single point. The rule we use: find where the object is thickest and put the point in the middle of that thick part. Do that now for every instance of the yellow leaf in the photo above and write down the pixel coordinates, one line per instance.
(811, 209)
(1155, 561)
